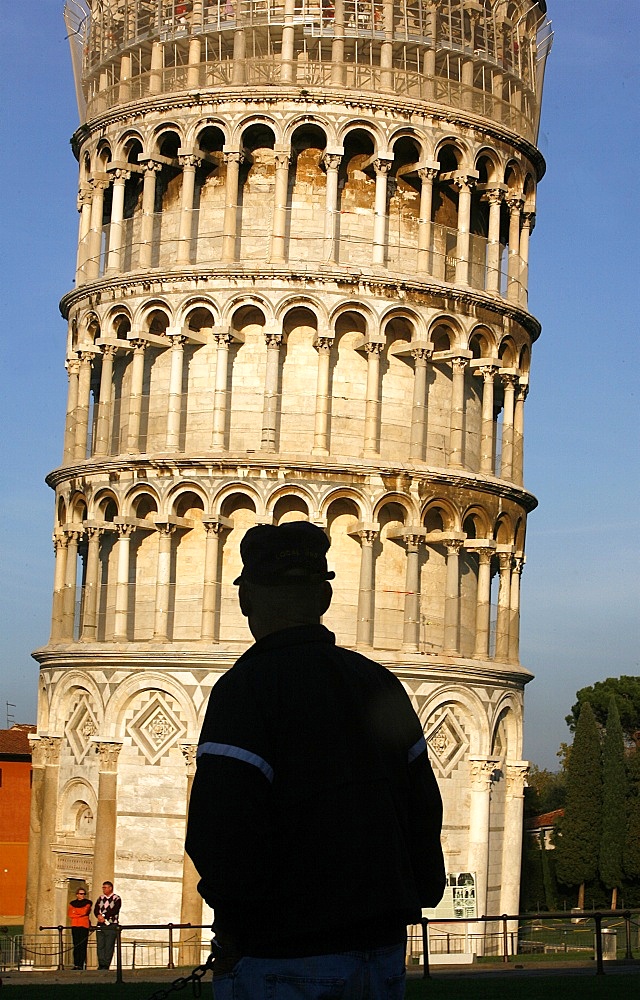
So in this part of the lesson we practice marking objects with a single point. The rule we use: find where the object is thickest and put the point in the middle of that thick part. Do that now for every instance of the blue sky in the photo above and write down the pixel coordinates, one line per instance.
(580, 587)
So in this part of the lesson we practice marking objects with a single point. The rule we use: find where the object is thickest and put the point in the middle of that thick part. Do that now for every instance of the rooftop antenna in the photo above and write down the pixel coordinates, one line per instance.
(10, 716)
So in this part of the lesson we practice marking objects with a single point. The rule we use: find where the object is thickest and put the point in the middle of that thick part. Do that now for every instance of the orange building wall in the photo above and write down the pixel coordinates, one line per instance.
(15, 797)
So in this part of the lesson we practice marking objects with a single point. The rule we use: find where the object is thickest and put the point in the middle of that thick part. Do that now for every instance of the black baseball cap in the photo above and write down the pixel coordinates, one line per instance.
(284, 553)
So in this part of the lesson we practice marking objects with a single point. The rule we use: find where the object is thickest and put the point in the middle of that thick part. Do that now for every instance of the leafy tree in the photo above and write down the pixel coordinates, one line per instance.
(548, 878)
(614, 805)
(546, 790)
(625, 690)
(578, 842)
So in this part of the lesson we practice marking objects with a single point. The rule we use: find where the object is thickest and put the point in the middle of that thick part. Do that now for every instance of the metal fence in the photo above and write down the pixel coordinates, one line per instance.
(604, 935)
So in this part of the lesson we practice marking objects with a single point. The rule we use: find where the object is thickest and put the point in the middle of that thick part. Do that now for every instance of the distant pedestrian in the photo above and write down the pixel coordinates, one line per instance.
(79, 913)
(106, 912)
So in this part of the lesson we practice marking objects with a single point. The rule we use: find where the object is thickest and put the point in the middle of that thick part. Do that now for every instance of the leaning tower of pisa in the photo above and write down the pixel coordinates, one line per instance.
(301, 292)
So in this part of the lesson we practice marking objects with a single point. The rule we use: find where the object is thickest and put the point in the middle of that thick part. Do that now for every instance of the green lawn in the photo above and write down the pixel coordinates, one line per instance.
(478, 987)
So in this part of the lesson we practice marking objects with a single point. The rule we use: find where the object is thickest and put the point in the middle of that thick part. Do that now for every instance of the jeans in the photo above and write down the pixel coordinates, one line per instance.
(353, 975)
(105, 943)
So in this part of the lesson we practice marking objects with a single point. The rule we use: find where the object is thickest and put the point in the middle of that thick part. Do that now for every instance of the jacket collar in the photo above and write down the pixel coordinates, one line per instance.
(292, 637)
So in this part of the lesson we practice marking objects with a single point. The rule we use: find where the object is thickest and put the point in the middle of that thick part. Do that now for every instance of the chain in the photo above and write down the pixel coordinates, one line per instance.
(183, 981)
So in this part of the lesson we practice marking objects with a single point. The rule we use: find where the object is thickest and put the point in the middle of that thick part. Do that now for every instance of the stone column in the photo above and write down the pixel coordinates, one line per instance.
(82, 411)
(174, 407)
(483, 603)
(114, 259)
(163, 581)
(71, 569)
(481, 774)
(148, 210)
(509, 380)
(494, 197)
(103, 433)
(38, 763)
(222, 341)
(99, 185)
(487, 433)
(91, 585)
(372, 403)
(60, 546)
(528, 223)
(382, 168)
(288, 33)
(321, 429)
(431, 11)
(515, 209)
(239, 53)
(191, 902)
(283, 159)
(84, 230)
(212, 582)
(232, 159)
(464, 185)
(456, 434)
(452, 597)
(157, 61)
(504, 602)
(515, 775)
(121, 614)
(427, 176)
(337, 45)
(366, 593)
(332, 163)
(386, 48)
(522, 392)
(421, 357)
(46, 900)
(73, 371)
(104, 851)
(189, 162)
(270, 400)
(411, 628)
(514, 616)
(135, 397)
(193, 72)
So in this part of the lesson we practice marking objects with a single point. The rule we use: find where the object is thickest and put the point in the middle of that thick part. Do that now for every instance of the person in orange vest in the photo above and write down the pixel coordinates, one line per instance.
(78, 914)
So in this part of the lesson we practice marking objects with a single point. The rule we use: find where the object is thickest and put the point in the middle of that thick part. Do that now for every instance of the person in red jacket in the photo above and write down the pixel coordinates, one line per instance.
(78, 915)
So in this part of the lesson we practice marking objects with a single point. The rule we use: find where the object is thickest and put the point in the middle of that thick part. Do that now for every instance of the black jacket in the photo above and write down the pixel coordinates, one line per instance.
(315, 817)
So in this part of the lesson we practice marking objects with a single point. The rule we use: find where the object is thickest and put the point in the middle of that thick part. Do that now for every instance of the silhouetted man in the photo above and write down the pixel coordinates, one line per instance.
(315, 817)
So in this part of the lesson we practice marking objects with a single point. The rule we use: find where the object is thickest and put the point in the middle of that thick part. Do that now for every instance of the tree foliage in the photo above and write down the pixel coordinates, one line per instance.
(625, 690)
(578, 844)
(631, 856)
(546, 790)
(614, 800)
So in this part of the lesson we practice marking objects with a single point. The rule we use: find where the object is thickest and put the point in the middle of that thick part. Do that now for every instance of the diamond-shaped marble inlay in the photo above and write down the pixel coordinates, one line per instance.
(447, 742)
(80, 728)
(156, 728)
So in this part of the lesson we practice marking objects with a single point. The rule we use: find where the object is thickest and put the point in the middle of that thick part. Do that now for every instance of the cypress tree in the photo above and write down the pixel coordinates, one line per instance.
(614, 803)
(632, 840)
(578, 846)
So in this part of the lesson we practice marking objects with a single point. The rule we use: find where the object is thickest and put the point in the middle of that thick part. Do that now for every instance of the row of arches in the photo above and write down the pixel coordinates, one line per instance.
(438, 580)
(303, 196)
(341, 386)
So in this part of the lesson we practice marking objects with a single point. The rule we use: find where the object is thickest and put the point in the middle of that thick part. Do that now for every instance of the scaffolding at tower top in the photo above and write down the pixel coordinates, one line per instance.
(490, 53)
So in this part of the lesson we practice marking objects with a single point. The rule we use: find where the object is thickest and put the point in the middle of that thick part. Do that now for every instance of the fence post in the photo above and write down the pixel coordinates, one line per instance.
(627, 931)
(505, 939)
(118, 953)
(60, 948)
(170, 965)
(598, 922)
(425, 948)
